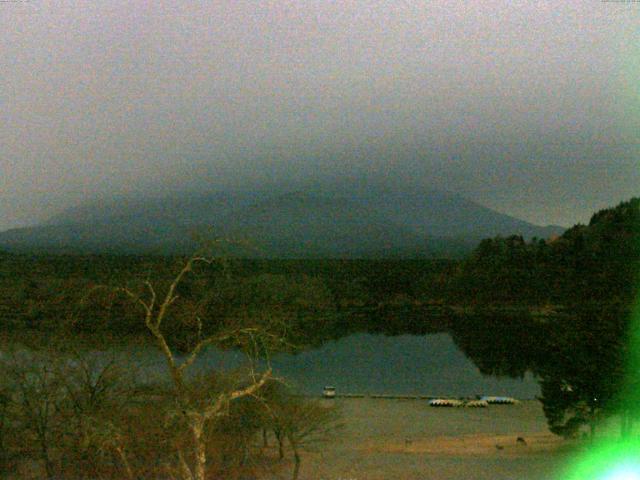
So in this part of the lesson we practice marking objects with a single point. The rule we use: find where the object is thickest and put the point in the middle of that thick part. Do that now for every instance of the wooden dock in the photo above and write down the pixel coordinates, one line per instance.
(385, 396)
(390, 396)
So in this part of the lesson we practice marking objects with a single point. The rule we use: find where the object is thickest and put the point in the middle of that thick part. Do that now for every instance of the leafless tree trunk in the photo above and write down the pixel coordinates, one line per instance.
(125, 462)
(296, 459)
(280, 439)
(196, 416)
(4, 405)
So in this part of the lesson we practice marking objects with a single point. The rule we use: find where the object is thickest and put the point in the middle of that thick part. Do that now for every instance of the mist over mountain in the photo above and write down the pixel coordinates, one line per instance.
(341, 219)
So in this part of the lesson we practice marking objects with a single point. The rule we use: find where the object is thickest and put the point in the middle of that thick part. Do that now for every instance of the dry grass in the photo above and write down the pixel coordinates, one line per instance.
(471, 445)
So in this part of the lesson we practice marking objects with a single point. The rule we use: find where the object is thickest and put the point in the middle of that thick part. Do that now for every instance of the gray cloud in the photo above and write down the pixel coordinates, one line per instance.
(528, 107)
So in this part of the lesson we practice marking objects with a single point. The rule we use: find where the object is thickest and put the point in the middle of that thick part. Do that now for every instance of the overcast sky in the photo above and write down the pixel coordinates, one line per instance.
(531, 108)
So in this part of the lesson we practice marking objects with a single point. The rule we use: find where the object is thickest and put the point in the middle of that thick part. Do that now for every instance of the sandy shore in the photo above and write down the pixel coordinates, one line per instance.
(406, 440)
(471, 445)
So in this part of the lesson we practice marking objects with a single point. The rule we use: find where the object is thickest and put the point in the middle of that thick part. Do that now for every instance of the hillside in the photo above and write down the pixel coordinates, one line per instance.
(595, 262)
(342, 221)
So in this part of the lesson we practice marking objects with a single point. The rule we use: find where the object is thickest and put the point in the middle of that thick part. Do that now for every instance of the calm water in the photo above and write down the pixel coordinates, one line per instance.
(367, 363)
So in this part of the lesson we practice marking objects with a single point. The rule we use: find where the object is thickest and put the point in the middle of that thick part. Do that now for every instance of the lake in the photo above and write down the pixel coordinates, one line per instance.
(375, 364)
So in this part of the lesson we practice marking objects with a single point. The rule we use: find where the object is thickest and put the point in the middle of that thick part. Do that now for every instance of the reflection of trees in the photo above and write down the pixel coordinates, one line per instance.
(385, 320)
(499, 343)
(578, 358)
(582, 376)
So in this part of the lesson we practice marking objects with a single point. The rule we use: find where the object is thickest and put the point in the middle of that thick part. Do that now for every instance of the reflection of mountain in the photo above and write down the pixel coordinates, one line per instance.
(336, 222)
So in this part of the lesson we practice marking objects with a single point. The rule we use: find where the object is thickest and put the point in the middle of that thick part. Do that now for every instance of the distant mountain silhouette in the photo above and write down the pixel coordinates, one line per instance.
(341, 220)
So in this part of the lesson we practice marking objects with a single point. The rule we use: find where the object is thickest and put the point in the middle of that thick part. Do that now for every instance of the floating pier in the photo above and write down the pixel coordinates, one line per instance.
(434, 399)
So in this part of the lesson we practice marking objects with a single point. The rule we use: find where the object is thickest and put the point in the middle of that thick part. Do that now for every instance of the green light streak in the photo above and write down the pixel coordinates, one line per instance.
(616, 458)
(609, 461)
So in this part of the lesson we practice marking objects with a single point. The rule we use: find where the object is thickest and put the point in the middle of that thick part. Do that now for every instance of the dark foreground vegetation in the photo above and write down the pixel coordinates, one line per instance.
(68, 414)
(72, 415)
(560, 308)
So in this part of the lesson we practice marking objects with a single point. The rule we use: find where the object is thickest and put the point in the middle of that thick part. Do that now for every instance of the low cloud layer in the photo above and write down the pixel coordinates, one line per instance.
(531, 108)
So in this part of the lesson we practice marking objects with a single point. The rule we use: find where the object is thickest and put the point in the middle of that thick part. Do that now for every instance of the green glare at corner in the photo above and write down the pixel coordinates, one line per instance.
(614, 458)
(610, 461)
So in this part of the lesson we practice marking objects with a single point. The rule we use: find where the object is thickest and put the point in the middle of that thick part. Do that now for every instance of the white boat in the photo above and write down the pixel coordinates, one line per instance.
(329, 392)
(445, 402)
(476, 404)
(499, 400)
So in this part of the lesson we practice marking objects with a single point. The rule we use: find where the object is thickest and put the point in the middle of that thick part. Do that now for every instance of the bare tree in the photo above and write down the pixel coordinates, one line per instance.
(301, 422)
(53, 404)
(107, 438)
(36, 397)
(197, 414)
(97, 388)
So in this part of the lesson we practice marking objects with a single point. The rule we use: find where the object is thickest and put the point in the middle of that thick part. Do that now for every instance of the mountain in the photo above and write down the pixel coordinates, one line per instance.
(342, 220)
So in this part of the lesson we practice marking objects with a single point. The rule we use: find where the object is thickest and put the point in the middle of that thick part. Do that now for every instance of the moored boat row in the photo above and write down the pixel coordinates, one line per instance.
(452, 402)
(479, 402)
(500, 400)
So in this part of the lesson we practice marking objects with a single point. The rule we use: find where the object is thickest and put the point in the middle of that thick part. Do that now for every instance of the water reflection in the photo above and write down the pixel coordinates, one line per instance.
(387, 352)
(372, 363)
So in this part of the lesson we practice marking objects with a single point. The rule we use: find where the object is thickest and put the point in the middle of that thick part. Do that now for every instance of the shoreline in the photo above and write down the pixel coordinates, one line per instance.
(406, 439)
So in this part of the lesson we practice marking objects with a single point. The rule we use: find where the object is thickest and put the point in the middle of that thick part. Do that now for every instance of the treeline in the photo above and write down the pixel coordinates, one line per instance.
(595, 262)
(320, 299)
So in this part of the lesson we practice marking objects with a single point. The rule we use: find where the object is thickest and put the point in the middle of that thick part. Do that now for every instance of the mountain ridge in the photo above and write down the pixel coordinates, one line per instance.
(314, 222)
